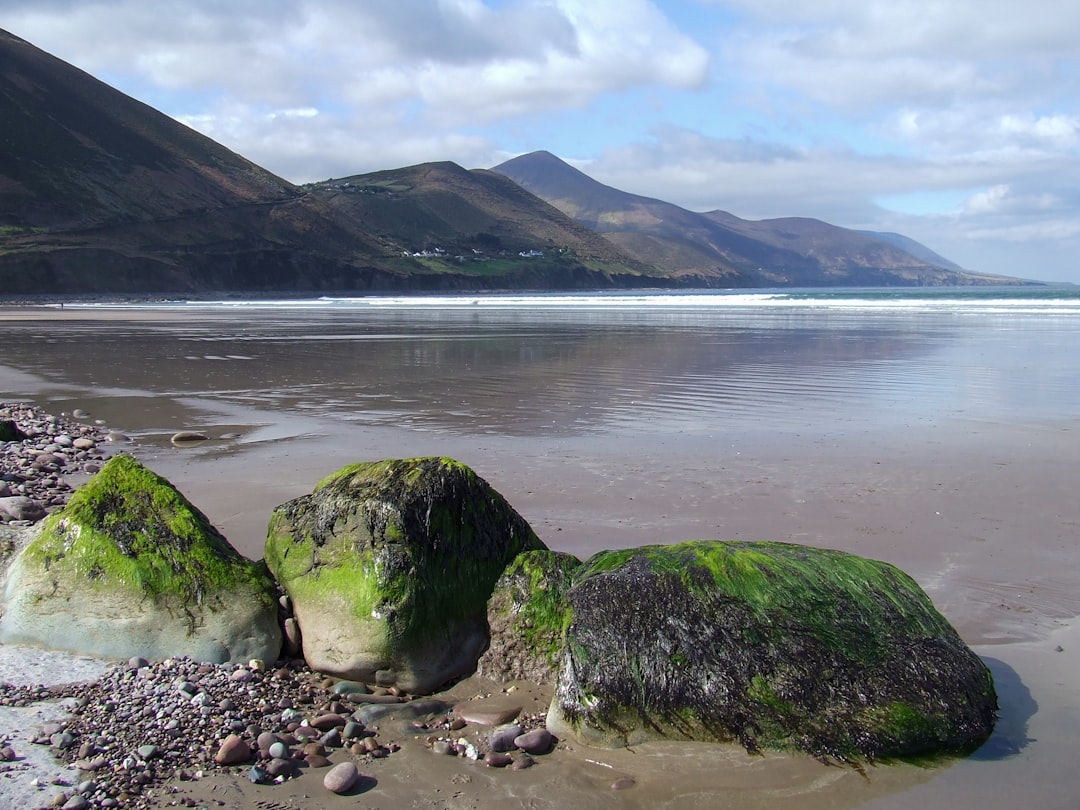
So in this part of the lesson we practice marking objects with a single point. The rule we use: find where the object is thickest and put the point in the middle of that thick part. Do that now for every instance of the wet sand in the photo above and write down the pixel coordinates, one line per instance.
(982, 514)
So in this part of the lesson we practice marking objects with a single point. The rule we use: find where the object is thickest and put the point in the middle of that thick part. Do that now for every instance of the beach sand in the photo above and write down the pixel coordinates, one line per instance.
(983, 515)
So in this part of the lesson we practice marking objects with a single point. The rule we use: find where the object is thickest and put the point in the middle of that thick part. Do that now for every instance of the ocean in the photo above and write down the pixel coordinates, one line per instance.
(610, 363)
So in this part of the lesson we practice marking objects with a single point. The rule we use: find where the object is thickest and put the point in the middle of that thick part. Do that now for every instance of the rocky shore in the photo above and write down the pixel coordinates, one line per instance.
(39, 453)
(135, 736)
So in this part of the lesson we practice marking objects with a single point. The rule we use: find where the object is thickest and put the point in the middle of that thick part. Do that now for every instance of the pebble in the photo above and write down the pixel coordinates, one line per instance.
(537, 741)
(341, 778)
(503, 738)
(233, 751)
(30, 467)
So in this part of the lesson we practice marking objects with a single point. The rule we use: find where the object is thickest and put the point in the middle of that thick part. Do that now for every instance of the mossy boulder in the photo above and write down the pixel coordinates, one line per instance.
(527, 616)
(389, 566)
(768, 644)
(130, 568)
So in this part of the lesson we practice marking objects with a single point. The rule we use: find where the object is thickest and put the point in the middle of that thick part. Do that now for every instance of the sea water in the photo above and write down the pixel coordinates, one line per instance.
(618, 363)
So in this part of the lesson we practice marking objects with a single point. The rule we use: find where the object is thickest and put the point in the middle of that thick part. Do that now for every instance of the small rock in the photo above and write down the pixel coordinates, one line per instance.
(503, 738)
(185, 437)
(278, 750)
(325, 722)
(341, 777)
(280, 767)
(494, 759)
(233, 751)
(537, 741)
(623, 783)
(521, 763)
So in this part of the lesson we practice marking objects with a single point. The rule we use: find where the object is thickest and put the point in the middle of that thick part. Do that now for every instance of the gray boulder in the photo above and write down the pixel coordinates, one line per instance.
(130, 568)
(767, 644)
(389, 566)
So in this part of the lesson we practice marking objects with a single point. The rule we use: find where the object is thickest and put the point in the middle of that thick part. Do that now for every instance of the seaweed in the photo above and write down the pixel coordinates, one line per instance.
(771, 645)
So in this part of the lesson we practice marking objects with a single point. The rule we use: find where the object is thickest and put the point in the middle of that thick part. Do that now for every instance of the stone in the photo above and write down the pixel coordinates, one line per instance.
(492, 712)
(526, 616)
(535, 741)
(278, 750)
(293, 642)
(188, 437)
(389, 566)
(232, 751)
(772, 645)
(279, 766)
(325, 722)
(501, 738)
(130, 568)
(20, 507)
(341, 778)
(495, 759)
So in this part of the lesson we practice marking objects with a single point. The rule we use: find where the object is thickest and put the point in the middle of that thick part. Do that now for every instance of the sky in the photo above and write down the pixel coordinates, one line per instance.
(953, 122)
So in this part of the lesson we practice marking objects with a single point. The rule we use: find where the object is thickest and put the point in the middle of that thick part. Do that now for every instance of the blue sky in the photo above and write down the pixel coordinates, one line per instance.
(955, 123)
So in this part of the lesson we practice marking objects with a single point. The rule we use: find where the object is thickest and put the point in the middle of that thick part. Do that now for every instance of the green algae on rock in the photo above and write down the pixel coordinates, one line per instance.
(527, 617)
(389, 566)
(130, 568)
(771, 645)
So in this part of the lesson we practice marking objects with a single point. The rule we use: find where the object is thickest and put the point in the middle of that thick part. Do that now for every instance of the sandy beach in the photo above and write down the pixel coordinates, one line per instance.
(982, 513)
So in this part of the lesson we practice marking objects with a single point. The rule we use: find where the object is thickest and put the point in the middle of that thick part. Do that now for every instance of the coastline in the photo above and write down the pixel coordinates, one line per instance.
(982, 515)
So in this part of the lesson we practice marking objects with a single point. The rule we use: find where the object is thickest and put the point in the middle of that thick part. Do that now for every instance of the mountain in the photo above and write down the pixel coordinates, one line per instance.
(728, 250)
(101, 194)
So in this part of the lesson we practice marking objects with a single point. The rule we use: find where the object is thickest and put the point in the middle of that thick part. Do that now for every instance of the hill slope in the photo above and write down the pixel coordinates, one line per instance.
(776, 252)
(101, 194)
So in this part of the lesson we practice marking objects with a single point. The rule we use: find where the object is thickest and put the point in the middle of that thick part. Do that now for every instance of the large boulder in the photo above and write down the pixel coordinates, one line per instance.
(389, 566)
(768, 644)
(130, 568)
(527, 616)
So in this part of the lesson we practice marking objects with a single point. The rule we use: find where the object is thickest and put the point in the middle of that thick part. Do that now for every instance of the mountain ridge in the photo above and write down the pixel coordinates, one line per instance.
(103, 195)
(788, 251)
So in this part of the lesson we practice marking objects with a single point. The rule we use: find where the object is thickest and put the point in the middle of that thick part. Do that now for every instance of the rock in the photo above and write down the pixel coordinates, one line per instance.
(76, 802)
(293, 643)
(389, 566)
(279, 766)
(521, 763)
(186, 437)
(350, 688)
(341, 778)
(130, 568)
(494, 712)
(233, 751)
(768, 644)
(278, 750)
(536, 741)
(501, 738)
(623, 783)
(325, 722)
(526, 616)
(373, 713)
(11, 432)
(494, 759)
(20, 507)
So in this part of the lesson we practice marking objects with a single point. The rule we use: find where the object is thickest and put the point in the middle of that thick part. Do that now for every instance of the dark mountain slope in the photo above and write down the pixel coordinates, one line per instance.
(76, 153)
(101, 194)
(780, 252)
